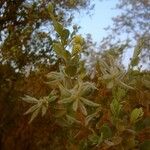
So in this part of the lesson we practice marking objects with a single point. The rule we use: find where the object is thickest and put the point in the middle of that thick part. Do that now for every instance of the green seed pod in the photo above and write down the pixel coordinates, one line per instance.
(78, 40)
(76, 48)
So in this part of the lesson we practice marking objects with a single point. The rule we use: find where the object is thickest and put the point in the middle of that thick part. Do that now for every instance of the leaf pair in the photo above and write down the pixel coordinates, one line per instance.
(40, 105)
(112, 73)
(76, 96)
(55, 77)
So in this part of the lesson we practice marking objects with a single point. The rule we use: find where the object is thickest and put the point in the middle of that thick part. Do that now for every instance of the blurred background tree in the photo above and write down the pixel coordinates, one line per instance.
(130, 27)
(25, 28)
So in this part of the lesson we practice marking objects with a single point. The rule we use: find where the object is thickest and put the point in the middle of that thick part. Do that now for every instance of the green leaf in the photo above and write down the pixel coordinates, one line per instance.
(76, 49)
(125, 85)
(65, 100)
(64, 92)
(30, 99)
(107, 133)
(89, 118)
(95, 139)
(119, 94)
(115, 107)
(87, 88)
(71, 70)
(44, 109)
(65, 34)
(135, 61)
(50, 8)
(74, 60)
(34, 115)
(88, 102)
(55, 76)
(101, 139)
(32, 109)
(58, 28)
(53, 98)
(75, 105)
(59, 49)
(135, 58)
(110, 84)
(82, 108)
(136, 115)
(72, 119)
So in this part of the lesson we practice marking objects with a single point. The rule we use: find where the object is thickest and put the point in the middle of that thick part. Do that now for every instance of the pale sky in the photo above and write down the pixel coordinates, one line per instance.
(101, 18)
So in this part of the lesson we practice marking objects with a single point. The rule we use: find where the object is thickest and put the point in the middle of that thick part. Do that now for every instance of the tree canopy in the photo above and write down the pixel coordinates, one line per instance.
(23, 39)
(131, 27)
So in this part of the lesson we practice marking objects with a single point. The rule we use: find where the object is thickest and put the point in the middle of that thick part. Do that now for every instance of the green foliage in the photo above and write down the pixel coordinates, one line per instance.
(95, 139)
(106, 131)
(89, 119)
(59, 49)
(115, 108)
(136, 115)
(40, 105)
(137, 51)
(112, 73)
(26, 19)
